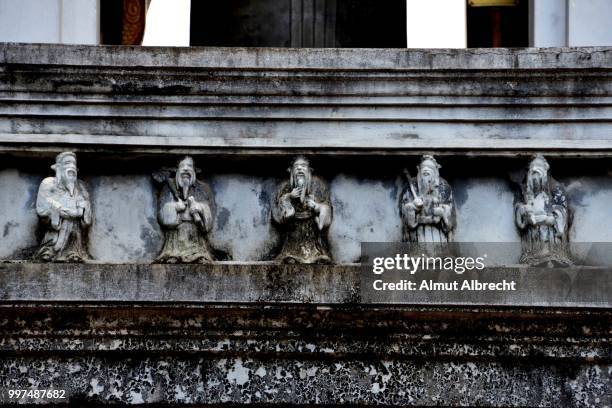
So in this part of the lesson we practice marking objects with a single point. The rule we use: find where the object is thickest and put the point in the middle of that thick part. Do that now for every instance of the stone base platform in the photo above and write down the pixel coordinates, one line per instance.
(286, 335)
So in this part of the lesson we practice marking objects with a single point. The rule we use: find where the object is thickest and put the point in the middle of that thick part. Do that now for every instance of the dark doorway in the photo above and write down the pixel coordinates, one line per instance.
(241, 23)
(299, 23)
(371, 24)
(111, 22)
(491, 26)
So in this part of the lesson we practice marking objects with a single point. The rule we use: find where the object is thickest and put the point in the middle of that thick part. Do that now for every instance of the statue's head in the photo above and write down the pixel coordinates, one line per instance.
(300, 172)
(300, 175)
(66, 169)
(538, 174)
(429, 174)
(185, 174)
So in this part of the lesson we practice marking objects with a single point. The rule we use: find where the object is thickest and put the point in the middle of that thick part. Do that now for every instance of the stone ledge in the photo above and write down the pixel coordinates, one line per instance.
(269, 283)
(222, 333)
(301, 58)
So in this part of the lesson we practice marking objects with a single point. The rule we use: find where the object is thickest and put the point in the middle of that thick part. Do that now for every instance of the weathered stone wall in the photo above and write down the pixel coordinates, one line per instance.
(310, 355)
(249, 331)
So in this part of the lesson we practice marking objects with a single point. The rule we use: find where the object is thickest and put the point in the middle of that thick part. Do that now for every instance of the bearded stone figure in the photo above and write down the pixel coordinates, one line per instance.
(64, 208)
(303, 210)
(427, 206)
(543, 218)
(186, 209)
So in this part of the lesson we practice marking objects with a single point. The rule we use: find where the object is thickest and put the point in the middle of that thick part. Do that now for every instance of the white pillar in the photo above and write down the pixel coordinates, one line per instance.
(436, 23)
(30, 21)
(80, 21)
(548, 23)
(50, 21)
(168, 23)
(589, 23)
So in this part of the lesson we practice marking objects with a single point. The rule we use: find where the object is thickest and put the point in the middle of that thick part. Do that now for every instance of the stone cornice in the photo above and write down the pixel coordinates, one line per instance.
(241, 100)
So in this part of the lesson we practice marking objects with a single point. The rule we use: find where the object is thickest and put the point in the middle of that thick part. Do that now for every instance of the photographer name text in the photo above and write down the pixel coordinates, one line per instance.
(430, 285)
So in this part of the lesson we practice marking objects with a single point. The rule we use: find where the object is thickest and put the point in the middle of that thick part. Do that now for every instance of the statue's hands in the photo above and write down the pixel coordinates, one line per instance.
(71, 213)
(438, 211)
(193, 205)
(532, 219)
(526, 211)
(180, 206)
(529, 209)
(409, 206)
(296, 192)
(543, 219)
(311, 203)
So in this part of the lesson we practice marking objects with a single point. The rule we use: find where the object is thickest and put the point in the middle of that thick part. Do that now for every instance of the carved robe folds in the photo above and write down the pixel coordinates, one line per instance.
(64, 208)
(427, 206)
(303, 210)
(542, 215)
(186, 215)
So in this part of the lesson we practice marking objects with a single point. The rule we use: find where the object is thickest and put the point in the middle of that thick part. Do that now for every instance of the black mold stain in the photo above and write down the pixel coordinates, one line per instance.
(264, 199)
(7, 227)
(222, 217)
(461, 195)
(577, 194)
(23, 253)
(392, 186)
(339, 207)
(264, 206)
(149, 236)
(32, 192)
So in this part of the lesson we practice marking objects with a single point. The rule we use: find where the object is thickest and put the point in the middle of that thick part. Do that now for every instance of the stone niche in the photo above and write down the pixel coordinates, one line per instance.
(247, 330)
(364, 191)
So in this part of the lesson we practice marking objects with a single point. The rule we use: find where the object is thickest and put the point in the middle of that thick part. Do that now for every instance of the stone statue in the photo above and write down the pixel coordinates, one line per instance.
(427, 206)
(303, 210)
(64, 208)
(186, 209)
(543, 217)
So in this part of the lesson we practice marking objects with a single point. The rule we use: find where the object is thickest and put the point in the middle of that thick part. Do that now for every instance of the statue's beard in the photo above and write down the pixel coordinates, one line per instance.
(185, 180)
(538, 184)
(427, 185)
(69, 179)
(301, 180)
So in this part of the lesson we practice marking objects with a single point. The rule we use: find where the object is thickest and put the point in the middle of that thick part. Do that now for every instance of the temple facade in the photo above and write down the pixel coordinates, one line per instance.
(242, 325)
(187, 225)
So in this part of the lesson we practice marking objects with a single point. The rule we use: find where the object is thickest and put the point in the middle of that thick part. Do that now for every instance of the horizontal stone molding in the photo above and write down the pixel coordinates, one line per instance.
(314, 58)
(270, 283)
(493, 101)
(338, 331)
